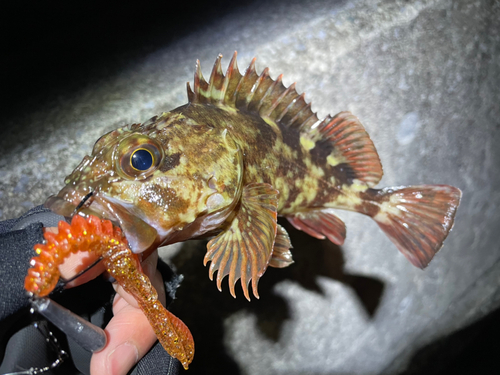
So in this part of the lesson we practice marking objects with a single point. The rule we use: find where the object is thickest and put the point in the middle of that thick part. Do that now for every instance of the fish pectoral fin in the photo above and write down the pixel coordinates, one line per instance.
(244, 249)
(320, 224)
(282, 256)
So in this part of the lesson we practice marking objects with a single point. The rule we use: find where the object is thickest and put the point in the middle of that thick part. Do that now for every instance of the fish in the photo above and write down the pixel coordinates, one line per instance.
(244, 150)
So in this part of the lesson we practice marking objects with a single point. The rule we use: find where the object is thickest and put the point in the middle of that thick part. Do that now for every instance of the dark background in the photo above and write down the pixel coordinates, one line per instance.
(50, 48)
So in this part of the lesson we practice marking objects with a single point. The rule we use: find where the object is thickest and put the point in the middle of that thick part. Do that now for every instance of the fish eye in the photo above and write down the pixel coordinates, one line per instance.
(141, 159)
(137, 156)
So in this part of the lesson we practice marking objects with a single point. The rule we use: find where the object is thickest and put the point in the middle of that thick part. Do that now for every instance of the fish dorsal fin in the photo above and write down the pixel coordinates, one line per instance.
(271, 100)
(352, 149)
(252, 92)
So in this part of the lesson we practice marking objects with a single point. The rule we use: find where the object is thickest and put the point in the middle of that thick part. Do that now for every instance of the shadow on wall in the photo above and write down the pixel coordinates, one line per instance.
(203, 308)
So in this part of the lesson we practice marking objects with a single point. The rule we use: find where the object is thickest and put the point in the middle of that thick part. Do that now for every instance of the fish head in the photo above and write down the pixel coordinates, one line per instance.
(161, 184)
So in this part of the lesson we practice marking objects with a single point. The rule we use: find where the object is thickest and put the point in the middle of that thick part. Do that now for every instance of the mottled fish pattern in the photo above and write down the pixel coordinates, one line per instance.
(244, 150)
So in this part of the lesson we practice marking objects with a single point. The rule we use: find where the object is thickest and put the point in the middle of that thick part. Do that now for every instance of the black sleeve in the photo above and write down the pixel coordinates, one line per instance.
(17, 238)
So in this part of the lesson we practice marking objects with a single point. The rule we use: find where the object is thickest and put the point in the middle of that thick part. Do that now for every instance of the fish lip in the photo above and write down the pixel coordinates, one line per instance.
(66, 202)
(59, 206)
(70, 197)
(140, 235)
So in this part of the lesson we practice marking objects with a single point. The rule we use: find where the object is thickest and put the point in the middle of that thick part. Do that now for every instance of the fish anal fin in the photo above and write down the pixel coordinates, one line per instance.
(351, 145)
(282, 256)
(320, 223)
(243, 250)
(418, 219)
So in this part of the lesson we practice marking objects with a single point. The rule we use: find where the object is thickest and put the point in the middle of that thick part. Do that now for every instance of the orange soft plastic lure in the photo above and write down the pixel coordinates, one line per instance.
(108, 242)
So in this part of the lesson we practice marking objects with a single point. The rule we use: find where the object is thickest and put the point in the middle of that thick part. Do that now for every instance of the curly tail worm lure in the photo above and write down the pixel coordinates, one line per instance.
(108, 242)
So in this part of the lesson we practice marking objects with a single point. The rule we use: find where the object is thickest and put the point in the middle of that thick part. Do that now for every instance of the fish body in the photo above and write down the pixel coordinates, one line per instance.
(244, 150)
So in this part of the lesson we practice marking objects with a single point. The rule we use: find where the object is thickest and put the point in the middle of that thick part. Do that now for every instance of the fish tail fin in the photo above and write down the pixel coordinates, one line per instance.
(418, 219)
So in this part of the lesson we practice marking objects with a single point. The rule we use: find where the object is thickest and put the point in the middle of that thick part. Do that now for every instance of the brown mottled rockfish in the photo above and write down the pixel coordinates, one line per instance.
(242, 151)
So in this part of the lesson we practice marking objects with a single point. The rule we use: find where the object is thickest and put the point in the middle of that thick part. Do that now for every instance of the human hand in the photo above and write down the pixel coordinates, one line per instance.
(129, 334)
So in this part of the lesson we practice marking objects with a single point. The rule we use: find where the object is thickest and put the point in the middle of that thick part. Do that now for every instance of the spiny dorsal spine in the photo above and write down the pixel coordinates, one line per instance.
(252, 92)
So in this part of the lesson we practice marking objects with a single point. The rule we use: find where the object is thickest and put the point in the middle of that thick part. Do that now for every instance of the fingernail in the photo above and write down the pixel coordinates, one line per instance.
(122, 359)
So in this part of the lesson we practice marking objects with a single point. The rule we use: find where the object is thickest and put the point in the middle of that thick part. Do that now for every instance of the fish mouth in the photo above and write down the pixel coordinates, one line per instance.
(140, 235)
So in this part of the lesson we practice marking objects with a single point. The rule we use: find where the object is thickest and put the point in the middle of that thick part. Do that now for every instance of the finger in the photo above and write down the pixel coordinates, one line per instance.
(130, 335)
(77, 263)
(129, 338)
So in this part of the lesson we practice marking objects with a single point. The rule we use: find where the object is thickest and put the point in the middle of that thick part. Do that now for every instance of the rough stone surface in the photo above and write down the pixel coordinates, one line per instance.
(423, 76)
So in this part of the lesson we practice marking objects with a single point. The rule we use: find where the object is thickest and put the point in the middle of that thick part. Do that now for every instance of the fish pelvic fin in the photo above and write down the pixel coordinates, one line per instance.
(243, 250)
(418, 219)
(282, 256)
